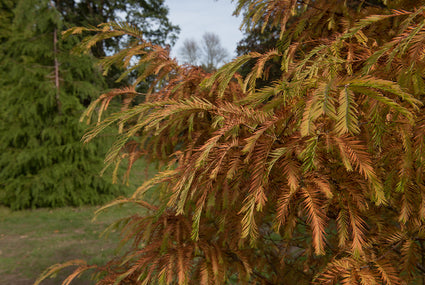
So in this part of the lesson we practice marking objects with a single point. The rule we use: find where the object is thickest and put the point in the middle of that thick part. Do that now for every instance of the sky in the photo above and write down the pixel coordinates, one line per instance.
(195, 17)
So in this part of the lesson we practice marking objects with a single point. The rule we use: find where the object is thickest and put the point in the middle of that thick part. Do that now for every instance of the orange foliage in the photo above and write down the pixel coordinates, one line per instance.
(314, 177)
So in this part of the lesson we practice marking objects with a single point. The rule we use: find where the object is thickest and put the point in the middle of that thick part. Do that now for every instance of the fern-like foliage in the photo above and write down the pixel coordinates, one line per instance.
(314, 177)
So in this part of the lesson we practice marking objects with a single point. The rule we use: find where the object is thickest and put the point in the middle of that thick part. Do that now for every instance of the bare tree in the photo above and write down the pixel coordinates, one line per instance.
(214, 54)
(209, 54)
(190, 52)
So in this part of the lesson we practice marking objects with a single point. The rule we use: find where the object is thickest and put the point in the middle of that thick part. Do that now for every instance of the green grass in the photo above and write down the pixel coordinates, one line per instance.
(33, 240)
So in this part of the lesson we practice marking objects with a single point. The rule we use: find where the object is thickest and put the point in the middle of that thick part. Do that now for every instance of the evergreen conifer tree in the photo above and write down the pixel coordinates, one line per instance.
(6, 15)
(43, 90)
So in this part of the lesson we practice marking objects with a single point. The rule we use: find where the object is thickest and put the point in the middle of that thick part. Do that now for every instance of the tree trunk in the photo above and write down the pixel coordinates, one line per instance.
(55, 52)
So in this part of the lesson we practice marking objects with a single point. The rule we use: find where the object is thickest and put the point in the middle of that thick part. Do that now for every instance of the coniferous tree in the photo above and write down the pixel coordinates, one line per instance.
(314, 177)
(6, 15)
(35, 65)
(43, 91)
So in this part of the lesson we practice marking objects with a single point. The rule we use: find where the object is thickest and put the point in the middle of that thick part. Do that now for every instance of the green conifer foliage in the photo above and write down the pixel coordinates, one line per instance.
(5, 18)
(42, 161)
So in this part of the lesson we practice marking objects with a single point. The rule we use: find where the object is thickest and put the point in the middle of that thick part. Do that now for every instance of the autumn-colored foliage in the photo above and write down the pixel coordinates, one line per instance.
(317, 177)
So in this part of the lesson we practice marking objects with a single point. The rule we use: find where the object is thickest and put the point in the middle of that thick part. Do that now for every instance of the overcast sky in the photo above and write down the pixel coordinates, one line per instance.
(195, 17)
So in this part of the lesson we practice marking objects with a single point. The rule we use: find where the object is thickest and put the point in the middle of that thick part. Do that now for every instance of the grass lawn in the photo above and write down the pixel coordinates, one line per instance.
(32, 240)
